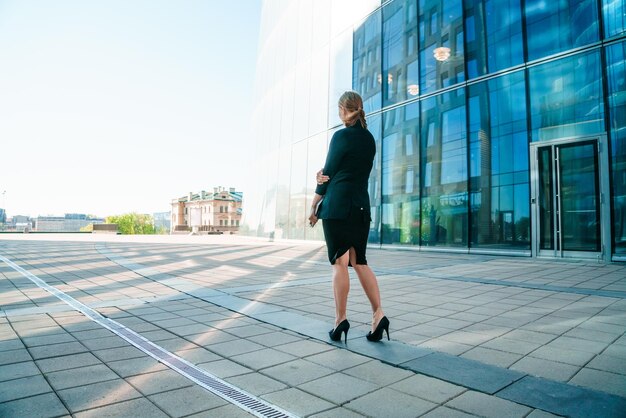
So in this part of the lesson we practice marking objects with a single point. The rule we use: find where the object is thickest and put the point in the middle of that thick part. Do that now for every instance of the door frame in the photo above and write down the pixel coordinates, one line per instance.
(604, 193)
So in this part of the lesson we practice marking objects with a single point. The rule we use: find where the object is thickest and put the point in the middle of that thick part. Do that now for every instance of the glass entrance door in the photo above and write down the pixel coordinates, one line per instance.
(568, 199)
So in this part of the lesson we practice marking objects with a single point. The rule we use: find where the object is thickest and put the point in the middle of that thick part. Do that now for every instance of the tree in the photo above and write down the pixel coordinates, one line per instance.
(133, 223)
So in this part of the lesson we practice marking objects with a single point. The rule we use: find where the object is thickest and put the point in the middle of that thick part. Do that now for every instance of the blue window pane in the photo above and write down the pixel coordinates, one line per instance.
(499, 163)
(558, 25)
(441, 44)
(444, 168)
(566, 98)
(400, 64)
(374, 186)
(616, 80)
(400, 159)
(366, 65)
(497, 41)
(614, 12)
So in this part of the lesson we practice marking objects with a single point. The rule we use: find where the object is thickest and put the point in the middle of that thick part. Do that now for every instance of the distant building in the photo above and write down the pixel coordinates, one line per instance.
(19, 223)
(3, 216)
(162, 220)
(209, 212)
(71, 222)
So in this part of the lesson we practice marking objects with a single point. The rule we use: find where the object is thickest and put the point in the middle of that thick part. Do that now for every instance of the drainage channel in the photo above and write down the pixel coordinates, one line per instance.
(213, 384)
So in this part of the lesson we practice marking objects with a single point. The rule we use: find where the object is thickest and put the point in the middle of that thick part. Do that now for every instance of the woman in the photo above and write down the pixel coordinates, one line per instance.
(344, 207)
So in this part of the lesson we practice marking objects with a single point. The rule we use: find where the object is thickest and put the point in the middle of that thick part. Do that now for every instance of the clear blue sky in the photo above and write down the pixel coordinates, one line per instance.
(115, 106)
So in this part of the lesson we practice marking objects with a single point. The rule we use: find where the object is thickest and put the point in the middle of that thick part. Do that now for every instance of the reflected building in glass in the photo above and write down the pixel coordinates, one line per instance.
(500, 125)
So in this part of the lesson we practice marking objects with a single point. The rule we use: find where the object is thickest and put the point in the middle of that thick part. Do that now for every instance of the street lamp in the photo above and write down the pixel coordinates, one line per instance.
(442, 53)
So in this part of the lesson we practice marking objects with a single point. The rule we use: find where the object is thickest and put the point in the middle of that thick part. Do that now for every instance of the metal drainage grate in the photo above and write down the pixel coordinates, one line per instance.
(219, 387)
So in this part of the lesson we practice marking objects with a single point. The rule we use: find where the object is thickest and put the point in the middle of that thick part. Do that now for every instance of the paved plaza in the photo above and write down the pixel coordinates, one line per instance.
(228, 326)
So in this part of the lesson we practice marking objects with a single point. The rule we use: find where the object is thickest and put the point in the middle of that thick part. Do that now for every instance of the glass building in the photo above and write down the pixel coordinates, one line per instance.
(500, 124)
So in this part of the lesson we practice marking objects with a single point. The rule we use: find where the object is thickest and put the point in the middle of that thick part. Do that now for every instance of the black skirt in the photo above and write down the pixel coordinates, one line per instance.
(343, 234)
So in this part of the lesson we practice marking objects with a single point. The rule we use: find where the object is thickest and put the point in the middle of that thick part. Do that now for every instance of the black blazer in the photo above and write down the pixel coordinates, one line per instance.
(348, 164)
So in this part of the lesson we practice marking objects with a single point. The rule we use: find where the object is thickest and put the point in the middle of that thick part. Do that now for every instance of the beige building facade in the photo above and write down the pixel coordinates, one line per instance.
(207, 212)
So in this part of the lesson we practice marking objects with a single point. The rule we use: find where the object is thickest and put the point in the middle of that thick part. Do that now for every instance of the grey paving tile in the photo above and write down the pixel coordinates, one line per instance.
(338, 359)
(428, 388)
(562, 355)
(494, 357)
(198, 355)
(80, 376)
(608, 364)
(161, 381)
(119, 353)
(103, 343)
(11, 344)
(537, 413)
(465, 372)
(602, 381)
(133, 408)
(263, 358)
(232, 348)
(338, 388)
(298, 402)
(176, 344)
(487, 406)
(338, 413)
(378, 373)
(98, 394)
(14, 356)
(273, 339)
(564, 399)
(545, 368)
(186, 401)
(67, 362)
(256, 383)
(226, 411)
(40, 406)
(58, 338)
(445, 412)
(388, 402)
(92, 333)
(135, 366)
(56, 350)
(297, 372)
(512, 346)
(18, 370)
(224, 368)
(22, 388)
(304, 348)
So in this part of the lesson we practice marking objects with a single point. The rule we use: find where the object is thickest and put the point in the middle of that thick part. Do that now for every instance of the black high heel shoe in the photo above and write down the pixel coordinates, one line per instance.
(377, 335)
(335, 334)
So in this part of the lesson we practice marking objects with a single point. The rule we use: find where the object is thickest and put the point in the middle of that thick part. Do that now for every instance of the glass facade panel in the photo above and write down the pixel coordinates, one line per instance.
(556, 26)
(400, 169)
(440, 44)
(444, 168)
(614, 12)
(316, 156)
(374, 185)
(493, 36)
(366, 76)
(297, 191)
(499, 163)
(616, 80)
(566, 97)
(400, 64)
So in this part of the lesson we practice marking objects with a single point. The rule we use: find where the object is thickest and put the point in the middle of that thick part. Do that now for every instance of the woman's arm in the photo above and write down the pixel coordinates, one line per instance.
(314, 204)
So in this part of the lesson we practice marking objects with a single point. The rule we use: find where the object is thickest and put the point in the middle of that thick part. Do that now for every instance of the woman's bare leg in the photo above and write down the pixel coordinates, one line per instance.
(341, 287)
(370, 286)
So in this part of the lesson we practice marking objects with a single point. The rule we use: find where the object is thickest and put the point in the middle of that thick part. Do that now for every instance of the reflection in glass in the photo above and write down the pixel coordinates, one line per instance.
(616, 80)
(579, 198)
(374, 187)
(566, 97)
(499, 163)
(444, 169)
(400, 166)
(400, 69)
(546, 204)
(614, 12)
(556, 26)
(316, 156)
(297, 191)
(440, 26)
(366, 77)
(493, 36)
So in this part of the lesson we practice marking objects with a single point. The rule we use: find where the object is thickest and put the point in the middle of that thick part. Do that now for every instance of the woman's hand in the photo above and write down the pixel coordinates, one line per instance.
(320, 177)
(312, 218)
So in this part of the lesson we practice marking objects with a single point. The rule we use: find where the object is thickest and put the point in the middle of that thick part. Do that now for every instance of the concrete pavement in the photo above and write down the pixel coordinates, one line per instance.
(471, 335)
